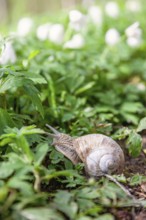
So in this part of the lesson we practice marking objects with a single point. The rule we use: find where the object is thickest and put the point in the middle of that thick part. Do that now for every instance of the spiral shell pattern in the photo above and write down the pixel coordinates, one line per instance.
(101, 154)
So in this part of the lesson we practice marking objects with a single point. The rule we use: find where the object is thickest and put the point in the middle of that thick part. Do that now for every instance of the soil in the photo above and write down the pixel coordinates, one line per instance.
(134, 166)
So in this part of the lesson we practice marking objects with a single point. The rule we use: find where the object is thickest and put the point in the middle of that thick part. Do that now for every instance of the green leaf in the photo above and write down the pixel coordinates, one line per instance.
(142, 125)
(41, 152)
(6, 170)
(64, 203)
(56, 156)
(5, 120)
(84, 218)
(130, 118)
(85, 88)
(37, 79)
(17, 161)
(86, 204)
(32, 93)
(134, 144)
(20, 143)
(11, 82)
(66, 173)
(106, 217)
(24, 187)
(122, 133)
(132, 107)
(40, 213)
(14, 82)
(121, 178)
(88, 193)
(137, 179)
(3, 193)
(27, 130)
(33, 54)
(52, 94)
(67, 117)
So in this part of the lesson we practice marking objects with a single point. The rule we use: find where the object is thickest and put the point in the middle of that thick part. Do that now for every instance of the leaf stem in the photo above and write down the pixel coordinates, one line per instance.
(11, 198)
(59, 173)
(37, 182)
(4, 103)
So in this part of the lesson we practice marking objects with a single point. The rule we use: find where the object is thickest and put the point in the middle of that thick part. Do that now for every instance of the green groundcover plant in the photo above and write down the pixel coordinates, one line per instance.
(82, 76)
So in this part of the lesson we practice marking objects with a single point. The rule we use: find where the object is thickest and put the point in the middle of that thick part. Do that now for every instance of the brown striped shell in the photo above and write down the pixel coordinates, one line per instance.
(99, 153)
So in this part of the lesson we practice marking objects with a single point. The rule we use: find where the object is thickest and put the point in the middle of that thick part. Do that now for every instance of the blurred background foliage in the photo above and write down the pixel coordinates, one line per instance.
(11, 10)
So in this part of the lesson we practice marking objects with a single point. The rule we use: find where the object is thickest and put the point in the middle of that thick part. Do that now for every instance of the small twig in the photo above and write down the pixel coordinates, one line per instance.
(136, 203)
(121, 186)
(133, 213)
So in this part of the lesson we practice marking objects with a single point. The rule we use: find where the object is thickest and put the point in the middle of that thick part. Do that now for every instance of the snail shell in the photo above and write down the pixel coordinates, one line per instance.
(99, 153)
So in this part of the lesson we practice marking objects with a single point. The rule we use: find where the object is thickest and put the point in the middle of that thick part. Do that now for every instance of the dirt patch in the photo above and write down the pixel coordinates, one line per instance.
(135, 165)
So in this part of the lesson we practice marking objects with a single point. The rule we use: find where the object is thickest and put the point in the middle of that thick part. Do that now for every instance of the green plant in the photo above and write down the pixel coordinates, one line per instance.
(96, 89)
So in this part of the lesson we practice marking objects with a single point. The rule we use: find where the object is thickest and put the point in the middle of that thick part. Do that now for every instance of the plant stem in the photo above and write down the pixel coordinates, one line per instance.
(3, 101)
(37, 182)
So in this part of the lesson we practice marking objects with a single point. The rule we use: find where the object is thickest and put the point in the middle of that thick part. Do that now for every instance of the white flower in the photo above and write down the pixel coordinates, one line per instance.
(133, 30)
(112, 9)
(75, 16)
(24, 26)
(77, 20)
(43, 31)
(133, 5)
(76, 42)
(56, 33)
(134, 35)
(95, 14)
(133, 42)
(141, 86)
(8, 54)
(112, 37)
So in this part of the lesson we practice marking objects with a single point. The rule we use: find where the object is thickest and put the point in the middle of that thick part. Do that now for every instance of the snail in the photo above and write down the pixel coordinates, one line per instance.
(99, 153)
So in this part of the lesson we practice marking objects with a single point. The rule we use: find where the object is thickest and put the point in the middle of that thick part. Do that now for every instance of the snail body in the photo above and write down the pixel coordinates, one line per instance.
(100, 153)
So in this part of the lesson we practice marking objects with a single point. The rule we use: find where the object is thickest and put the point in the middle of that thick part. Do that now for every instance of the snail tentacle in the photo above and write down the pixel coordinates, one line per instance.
(53, 129)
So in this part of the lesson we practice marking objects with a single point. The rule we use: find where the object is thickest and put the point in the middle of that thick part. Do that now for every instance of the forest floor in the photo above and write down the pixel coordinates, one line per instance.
(134, 166)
